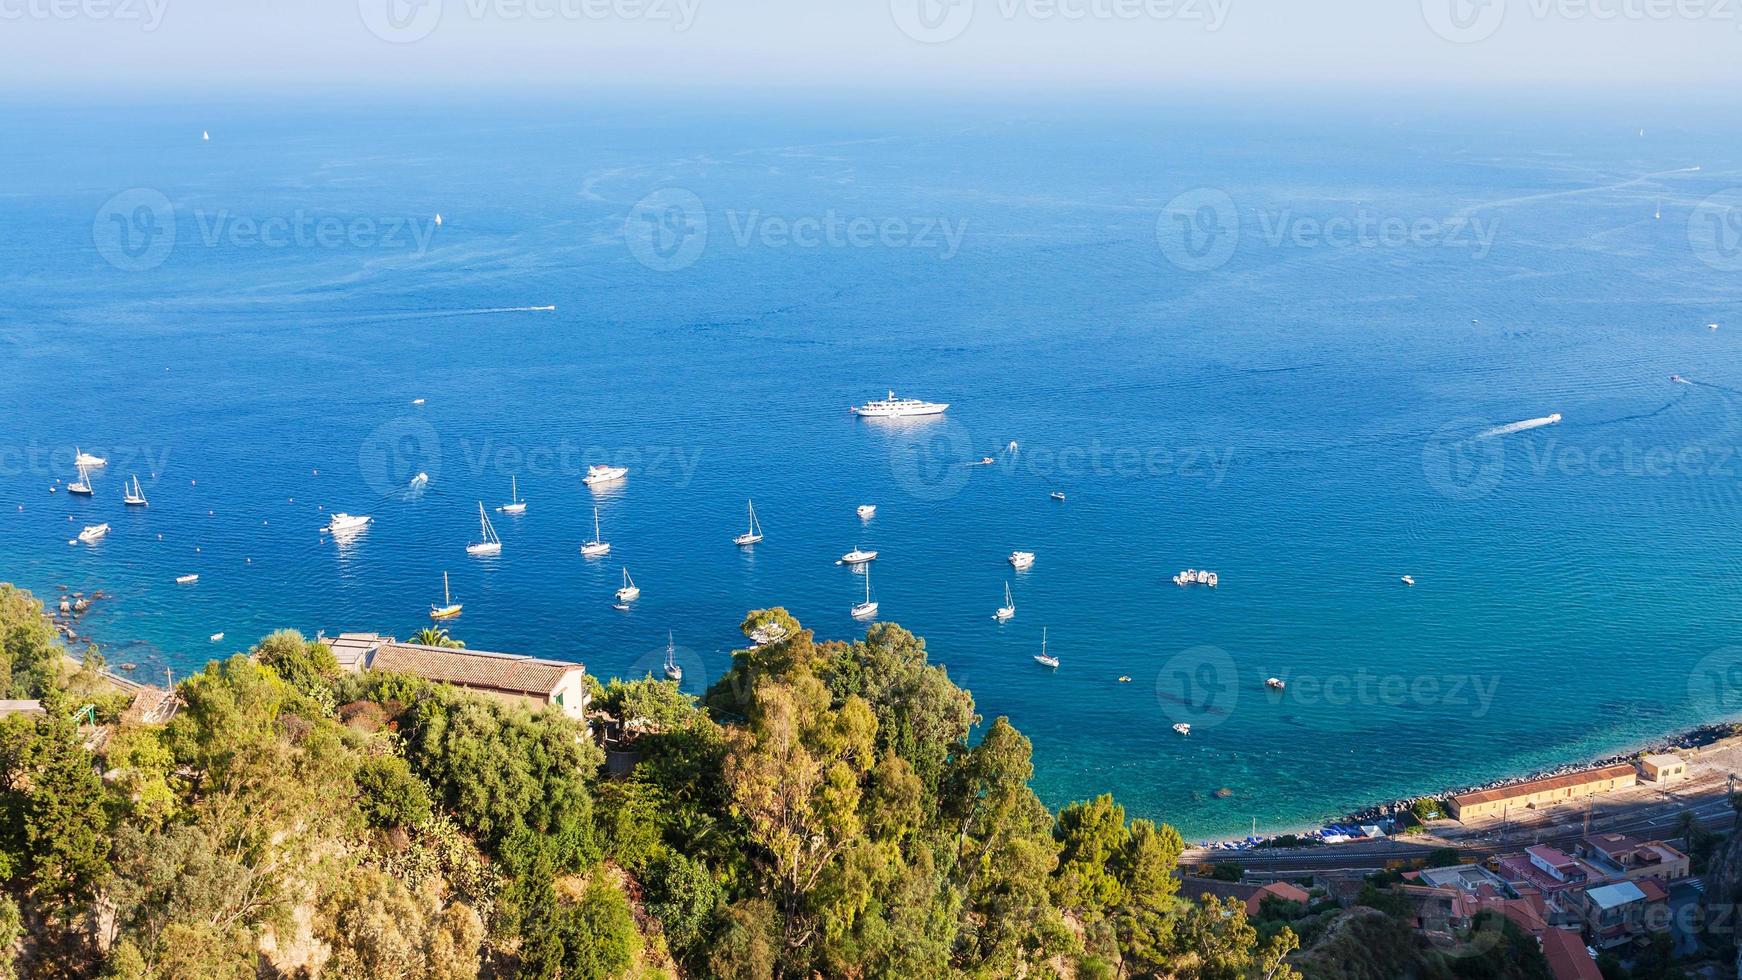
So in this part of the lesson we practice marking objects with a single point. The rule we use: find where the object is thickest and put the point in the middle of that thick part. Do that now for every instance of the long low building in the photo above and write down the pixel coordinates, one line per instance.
(531, 681)
(1548, 791)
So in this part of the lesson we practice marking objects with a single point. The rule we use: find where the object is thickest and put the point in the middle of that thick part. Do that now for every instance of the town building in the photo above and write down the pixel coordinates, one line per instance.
(1619, 912)
(1663, 767)
(1539, 793)
(1621, 856)
(1568, 959)
(1250, 894)
(515, 678)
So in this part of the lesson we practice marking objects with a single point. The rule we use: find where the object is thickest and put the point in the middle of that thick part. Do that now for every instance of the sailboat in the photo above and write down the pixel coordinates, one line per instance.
(515, 505)
(1043, 658)
(205, 136)
(438, 221)
(672, 671)
(449, 608)
(598, 546)
(1008, 609)
(629, 592)
(491, 545)
(82, 486)
(754, 534)
(133, 496)
(866, 609)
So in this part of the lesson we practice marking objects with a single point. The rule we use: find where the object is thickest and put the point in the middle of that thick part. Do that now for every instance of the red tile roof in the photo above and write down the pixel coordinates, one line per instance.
(1545, 785)
(1567, 957)
(506, 672)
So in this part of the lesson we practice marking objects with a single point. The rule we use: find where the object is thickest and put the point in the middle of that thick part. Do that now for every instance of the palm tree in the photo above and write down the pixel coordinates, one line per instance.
(431, 636)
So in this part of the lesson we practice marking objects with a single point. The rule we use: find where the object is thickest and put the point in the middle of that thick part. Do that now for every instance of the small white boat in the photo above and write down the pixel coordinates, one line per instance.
(1183, 728)
(754, 534)
(857, 557)
(217, 637)
(672, 671)
(1043, 658)
(205, 136)
(893, 407)
(866, 510)
(514, 505)
(598, 546)
(629, 592)
(134, 496)
(343, 523)
(1275, 682)
(449, 608)
(87, 460)
(1007, 610)
(82, 486)
(1193, 576)
(417, 401)
(419, 481)
(597, 475)
(1711, 326)
(1021, 560)
(491, 545)
(866, 609)
(1409, 580)
(186, 579)
(93, 532)
(1058, 495)
(438, 221)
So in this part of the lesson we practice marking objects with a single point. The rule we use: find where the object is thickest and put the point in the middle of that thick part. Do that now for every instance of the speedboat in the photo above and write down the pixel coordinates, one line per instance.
(985, 461)
(1183, 728)
(1275, 682)
(598, 546)
(672, 671)
(629, 592)
(597, 475)
(186, 579)
(1409, 580)
(1021, 559)
(893, 408)
(417, 401)
(343, 523)
(866, 510)
(1043, 658)
(1058, 495)
(420, 481)
(1124, 678)
(133, 496)
(1678, 379)
(87, 460)
(856, 557)
(1008, 609)
(217, 637)
(93, 532)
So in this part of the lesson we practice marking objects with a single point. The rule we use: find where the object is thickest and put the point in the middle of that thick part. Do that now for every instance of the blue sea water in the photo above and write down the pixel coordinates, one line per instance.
(1297, 413)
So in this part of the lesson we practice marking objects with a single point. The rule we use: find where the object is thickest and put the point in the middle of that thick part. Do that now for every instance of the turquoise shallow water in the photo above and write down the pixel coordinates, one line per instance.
(1298, 418)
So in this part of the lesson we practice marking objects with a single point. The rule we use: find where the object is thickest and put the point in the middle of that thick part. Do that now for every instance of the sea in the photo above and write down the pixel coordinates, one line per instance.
(1288, 345)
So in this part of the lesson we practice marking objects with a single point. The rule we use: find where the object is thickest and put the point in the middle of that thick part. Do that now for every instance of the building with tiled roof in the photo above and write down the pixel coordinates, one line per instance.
(531, 681)
(1537, 793)
(1568, 959)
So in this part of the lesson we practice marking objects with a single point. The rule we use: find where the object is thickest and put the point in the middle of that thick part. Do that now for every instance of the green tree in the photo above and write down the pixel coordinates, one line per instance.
(30, 657)
(435, 636)
(1091, 837)
(53, 803)
(305, 665)
(389, 795)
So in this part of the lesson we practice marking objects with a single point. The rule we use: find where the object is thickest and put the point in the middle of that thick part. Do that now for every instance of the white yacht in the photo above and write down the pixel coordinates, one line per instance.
(1058, 495)
(629, 592)
(218, 637)
(93, 532)
(598, 546)
(1409, 580)
(186, 579)
(597, 475)
(419, 481)
(87, 460)
(491, 545)
(1183, 728)
(1043, 658)
(867, 510)
(82, 486)
(894, 408)
(866, 609)
(133, 495)
(449, 608)
(754, 534)
(672, 671)
(343, 523)
(514, 505)
(1007, 610)
(856, 557)
(1275, 682)
(1022, 560)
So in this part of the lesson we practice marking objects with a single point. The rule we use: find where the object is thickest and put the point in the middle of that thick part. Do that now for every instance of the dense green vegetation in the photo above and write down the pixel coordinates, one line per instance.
(820, 813)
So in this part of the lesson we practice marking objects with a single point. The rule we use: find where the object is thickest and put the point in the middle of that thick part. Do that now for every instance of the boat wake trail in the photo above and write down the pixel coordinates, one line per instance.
(1527, 424)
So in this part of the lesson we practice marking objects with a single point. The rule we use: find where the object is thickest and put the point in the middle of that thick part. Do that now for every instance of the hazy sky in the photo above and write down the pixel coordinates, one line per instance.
(133, 48)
